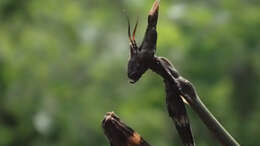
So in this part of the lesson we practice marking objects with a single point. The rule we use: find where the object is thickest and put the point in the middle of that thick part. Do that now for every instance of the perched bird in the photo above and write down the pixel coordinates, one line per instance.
(140, 61)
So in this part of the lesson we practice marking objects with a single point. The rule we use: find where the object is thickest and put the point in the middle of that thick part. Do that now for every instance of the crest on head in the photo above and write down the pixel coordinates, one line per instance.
(133, 44)
(140, 55)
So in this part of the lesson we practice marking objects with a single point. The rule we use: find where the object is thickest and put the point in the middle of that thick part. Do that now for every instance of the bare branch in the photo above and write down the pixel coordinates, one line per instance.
(119, 134)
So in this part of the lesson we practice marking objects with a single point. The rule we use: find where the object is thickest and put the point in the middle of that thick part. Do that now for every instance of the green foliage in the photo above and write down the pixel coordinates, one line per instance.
(63, 66)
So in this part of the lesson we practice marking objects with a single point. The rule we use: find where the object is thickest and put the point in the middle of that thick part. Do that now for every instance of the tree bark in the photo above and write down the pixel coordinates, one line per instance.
(119, 134)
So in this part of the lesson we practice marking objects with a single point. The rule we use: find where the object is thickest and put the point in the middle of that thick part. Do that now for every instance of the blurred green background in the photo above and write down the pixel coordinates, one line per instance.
(63, 66)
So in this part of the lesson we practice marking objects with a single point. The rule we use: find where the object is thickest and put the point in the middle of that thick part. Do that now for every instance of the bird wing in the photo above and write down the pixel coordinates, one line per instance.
(176, 107)
(177, 112)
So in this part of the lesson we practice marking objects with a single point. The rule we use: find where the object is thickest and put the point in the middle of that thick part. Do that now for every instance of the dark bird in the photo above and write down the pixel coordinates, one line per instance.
(140, 61)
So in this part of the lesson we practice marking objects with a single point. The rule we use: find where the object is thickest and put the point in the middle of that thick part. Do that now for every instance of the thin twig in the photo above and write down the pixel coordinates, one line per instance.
(184, 88)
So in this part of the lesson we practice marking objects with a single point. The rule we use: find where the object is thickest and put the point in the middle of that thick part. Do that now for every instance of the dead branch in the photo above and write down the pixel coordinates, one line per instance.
(119, 134)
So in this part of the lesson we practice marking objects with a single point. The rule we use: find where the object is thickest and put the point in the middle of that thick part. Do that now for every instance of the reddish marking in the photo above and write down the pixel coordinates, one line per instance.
(134, 140)
(154, 8)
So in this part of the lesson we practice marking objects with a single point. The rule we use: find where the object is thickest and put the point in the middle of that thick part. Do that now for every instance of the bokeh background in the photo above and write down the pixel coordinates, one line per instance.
(63, 66)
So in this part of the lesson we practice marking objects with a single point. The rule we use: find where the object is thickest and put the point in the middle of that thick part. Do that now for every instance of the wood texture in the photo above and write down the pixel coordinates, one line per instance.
(119, 134)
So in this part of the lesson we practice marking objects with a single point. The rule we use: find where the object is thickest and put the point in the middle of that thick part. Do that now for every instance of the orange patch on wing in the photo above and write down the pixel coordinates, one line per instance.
(184, 100)
(134, 140)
